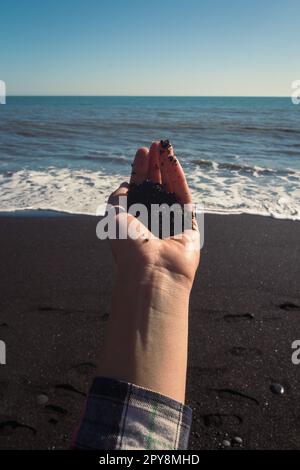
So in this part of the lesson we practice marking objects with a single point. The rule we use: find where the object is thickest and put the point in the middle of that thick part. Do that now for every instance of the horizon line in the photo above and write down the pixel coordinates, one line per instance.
(146, 96)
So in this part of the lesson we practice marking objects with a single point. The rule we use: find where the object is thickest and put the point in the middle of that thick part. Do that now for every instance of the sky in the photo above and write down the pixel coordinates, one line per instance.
(150, 47)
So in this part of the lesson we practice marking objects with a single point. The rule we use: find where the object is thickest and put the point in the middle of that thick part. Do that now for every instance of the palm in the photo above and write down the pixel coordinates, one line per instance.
(178, 257)
(173, 256)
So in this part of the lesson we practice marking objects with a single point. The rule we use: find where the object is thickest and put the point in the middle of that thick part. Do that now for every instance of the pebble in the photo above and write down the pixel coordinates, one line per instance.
(226, 443)
(42, 399)
(277, 389)
(237, 440)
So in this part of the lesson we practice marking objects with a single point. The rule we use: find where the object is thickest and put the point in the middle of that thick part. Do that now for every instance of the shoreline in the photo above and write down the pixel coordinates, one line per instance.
(36, 213)
(56, 281)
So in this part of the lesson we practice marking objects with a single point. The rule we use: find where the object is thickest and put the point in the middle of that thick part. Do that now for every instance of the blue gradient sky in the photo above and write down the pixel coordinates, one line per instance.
(157, 47)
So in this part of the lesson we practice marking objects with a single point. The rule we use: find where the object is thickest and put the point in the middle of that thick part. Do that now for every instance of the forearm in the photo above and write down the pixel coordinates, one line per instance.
(146, 337)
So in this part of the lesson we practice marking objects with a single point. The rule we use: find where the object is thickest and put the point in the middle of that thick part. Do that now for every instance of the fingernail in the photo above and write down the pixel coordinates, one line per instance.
(165, 144)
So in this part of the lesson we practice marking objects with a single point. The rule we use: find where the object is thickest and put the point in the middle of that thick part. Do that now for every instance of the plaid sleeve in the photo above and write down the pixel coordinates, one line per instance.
(120, 415)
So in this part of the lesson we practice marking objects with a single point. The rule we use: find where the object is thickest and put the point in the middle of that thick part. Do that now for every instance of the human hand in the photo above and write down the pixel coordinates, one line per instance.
(149, 258)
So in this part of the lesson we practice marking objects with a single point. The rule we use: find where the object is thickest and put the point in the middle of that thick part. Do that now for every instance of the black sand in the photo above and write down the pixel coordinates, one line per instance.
(149, 194)
(56, 280)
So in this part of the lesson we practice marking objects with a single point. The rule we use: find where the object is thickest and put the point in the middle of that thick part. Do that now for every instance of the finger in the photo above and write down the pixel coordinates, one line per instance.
(140, 166)
(127, 224)
(118, 198)
(166, 181)
(154, 173)
(175, 173)
(121, 191)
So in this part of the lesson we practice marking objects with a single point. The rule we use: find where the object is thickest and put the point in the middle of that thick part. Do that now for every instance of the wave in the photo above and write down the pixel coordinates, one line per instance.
(86, 191)
(120, 159)
(32, 128)
(237, 167)
(283, 130)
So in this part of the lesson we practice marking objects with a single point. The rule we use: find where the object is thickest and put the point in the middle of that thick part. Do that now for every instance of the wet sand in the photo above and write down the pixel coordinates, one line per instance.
(56, 280)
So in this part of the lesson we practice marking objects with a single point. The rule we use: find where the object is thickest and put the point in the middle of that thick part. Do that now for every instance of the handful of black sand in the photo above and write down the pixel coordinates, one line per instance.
(162, 221)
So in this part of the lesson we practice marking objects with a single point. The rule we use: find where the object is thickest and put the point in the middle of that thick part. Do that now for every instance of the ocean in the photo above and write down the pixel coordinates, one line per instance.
(66, 154)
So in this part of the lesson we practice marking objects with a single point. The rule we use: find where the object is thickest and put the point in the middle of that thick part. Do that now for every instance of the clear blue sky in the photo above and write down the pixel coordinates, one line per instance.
(149, 47)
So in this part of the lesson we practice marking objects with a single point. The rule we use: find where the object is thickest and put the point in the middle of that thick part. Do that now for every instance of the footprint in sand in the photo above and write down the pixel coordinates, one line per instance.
(220, 419)
(56, 409)
(289, 306)
(69, 388)
(50, 309)
(238, 317)
(230, 393)
(9, 425)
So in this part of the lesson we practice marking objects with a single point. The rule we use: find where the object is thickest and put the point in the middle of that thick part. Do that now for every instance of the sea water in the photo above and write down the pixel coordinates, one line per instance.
(240, 155)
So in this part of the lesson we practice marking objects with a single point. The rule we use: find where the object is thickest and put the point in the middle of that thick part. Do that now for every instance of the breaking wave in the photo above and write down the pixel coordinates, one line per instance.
(216, 188)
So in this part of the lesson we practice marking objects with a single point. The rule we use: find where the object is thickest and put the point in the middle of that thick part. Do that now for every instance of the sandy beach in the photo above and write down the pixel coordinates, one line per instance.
(56, 280)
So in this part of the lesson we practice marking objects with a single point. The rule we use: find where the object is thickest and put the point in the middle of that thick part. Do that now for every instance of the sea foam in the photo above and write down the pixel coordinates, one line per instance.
(216, 191)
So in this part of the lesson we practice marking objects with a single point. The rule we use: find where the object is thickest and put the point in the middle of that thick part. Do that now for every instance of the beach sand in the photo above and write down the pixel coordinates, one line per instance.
(56, 279)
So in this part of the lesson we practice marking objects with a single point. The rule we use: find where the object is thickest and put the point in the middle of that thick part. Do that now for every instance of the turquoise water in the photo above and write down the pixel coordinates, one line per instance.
(67, 153)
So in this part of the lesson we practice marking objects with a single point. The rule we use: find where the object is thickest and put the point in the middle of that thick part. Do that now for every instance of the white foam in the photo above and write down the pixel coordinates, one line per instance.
(66, 190)
(83, 191)
(256, 193)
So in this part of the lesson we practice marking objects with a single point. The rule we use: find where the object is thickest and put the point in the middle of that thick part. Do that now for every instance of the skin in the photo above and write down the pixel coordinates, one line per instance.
(147, 332)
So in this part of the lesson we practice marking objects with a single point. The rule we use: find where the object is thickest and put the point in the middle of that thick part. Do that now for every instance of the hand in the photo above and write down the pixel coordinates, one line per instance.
(148, 256)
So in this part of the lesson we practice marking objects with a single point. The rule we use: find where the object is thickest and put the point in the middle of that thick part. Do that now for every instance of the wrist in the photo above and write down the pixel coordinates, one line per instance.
(152, 292)
(152, 279)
